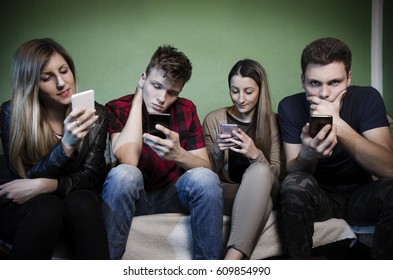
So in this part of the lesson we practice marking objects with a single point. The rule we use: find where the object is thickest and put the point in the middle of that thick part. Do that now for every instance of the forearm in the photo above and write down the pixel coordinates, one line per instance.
(21, 190)
(50, 166)
(127, 145)
(301, 164)
(373, 157)
(299, 158)
(188, 160)
(47, 185)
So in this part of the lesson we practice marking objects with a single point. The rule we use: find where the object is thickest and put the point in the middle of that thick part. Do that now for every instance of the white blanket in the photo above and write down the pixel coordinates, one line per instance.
(168, 236)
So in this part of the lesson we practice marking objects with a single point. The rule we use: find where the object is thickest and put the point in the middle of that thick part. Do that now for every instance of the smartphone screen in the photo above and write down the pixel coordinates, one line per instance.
(83, 99)
(317, 122)
(227, 128)
(162, 119)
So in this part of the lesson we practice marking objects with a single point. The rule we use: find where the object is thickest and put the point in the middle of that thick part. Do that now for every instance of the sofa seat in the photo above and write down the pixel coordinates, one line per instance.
(169, 237)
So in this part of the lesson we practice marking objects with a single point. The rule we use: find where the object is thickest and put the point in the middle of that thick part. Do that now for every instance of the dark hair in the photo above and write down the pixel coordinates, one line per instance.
(263, 112)
(325, 51)
(175, 64)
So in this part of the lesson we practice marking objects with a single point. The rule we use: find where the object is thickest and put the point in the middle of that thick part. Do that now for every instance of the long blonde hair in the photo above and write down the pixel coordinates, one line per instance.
(254, 70)
(31, 136)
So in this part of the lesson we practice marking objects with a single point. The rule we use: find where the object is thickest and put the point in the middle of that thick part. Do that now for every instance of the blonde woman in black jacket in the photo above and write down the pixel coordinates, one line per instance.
(53, 156)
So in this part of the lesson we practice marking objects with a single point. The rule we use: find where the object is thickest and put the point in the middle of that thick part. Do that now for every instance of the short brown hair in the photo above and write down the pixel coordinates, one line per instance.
(175, 64)
(325, 51)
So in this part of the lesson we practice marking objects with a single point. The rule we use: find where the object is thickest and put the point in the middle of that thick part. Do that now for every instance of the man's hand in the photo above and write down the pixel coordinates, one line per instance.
(325, 107)
(168, 148)
(321, 145)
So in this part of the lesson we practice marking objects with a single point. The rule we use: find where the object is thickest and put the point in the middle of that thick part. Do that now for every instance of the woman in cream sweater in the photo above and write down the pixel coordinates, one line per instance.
(247, 159)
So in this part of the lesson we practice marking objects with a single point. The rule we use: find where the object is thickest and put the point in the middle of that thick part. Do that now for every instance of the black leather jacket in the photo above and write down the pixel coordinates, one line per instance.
(80, 171)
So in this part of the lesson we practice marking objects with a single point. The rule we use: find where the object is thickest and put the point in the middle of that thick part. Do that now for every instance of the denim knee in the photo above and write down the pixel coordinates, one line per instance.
(201, 181)
(123, 180)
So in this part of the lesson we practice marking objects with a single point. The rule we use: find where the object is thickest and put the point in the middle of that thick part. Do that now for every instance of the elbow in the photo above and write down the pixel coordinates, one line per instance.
(124, 158)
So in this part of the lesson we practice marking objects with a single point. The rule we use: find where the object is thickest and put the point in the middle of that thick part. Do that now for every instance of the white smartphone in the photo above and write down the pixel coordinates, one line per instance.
(83, 99)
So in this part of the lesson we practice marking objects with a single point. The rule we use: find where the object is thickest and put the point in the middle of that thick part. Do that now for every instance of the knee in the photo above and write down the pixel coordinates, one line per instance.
(123, 179)
(297, 184)
(260, 170)
(203, 176)
(297, 181)
(203, 181)
(82, 201)
(44, 211)
(124, 172)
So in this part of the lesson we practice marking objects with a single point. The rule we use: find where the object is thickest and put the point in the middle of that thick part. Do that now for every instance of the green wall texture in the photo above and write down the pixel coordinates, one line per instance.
(112, 41)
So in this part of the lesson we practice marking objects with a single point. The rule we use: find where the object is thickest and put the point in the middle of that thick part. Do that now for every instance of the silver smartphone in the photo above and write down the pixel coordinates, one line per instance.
(227, 128)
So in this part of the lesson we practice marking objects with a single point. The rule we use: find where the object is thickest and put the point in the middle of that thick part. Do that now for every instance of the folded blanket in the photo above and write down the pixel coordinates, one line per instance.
(326, 232)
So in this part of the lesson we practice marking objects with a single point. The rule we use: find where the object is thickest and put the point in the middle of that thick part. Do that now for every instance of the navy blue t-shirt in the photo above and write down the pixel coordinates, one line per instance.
(362, 108)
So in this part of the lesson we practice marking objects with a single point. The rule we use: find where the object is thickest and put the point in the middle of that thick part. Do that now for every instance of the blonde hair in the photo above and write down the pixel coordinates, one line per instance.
(31, 137)
(263, 117)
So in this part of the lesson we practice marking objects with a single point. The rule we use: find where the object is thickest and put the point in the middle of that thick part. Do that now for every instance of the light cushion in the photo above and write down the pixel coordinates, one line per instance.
(168, 236)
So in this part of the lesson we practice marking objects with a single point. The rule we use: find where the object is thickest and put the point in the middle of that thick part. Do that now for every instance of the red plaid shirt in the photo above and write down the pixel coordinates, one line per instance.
(157, 172)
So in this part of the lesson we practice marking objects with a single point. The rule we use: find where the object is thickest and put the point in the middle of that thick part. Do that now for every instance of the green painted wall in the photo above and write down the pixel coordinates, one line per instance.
(112, 41)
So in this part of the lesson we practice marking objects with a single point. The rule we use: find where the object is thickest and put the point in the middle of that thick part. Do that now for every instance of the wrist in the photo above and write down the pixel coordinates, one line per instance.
(256, 158)
(217, 150)
(67, 149)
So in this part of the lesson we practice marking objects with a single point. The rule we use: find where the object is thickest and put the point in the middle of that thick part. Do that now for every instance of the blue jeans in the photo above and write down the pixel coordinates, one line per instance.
(197, 192)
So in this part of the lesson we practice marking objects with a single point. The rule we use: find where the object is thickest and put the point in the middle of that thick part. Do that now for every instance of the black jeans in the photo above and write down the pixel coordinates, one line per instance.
(34, 228)
(304, 201)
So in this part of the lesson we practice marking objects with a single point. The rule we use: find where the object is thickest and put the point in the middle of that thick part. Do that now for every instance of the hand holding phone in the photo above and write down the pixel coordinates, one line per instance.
(83, 99)
(162, 119)
(317, 122)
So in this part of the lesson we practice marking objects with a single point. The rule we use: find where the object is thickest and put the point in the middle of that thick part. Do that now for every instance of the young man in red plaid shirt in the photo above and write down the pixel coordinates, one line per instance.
(161, 175)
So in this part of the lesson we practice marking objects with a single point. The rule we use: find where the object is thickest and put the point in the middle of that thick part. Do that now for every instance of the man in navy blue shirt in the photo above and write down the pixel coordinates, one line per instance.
(333, 174)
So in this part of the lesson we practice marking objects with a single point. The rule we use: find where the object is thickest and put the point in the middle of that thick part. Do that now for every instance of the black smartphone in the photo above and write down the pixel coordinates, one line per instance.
(317, 122)
(162, 119)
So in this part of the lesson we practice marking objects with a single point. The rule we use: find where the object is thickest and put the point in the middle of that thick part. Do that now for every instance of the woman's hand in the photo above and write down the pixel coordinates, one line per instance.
(76, 125)
(223, 142)
(244, 145)
(21, 190)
